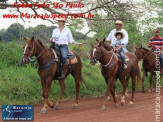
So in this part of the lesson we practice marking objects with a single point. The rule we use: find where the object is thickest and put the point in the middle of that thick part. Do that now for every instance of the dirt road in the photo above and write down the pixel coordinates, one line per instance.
(89, 111)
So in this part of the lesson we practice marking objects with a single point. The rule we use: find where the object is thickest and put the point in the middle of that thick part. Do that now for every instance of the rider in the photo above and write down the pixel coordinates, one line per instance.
(118, 27)
(118, 44)
(156, 43)
(62, 36)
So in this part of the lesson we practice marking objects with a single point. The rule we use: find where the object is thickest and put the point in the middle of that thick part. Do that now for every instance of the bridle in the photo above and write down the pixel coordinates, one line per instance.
(113, 54)
(30, 55)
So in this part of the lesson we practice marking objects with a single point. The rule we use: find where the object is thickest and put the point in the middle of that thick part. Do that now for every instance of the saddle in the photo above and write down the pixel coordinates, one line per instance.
(71, 58)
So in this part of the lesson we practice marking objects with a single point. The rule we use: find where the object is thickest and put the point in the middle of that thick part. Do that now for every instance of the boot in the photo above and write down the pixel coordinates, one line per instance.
(63, 72)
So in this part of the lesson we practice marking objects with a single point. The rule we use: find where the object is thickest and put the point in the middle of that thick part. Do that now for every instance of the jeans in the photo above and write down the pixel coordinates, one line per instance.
(121, 52)
(161, 60)
(64, 52)
(124, 49)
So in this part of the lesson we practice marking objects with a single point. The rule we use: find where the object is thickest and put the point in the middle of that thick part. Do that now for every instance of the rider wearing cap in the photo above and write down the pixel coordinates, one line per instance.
(156, 43)
(118, 27)
(62, 36)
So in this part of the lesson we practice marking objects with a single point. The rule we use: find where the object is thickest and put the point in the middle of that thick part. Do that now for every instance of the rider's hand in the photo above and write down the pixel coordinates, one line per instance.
(80, 44)
(51, 39)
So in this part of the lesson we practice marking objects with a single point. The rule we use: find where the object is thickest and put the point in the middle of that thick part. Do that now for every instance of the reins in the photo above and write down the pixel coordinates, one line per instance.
(109, 61)
(147, 54)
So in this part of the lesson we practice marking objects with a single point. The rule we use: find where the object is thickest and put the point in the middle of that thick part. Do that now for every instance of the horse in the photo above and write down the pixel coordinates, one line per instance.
(149, 64)
(109, 68)
(46, 58)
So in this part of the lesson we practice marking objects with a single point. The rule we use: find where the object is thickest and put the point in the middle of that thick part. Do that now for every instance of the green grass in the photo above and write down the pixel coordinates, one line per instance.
(21, 84)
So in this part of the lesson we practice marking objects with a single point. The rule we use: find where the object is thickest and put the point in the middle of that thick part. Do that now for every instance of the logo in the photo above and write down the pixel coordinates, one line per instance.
(17, 112)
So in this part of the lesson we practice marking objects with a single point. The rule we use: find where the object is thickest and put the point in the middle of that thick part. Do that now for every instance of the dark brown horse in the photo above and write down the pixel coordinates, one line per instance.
(46, 57)
(149, 64)
(109, 68)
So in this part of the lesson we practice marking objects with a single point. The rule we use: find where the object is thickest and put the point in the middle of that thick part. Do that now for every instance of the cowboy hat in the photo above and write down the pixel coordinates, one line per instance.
(119, 22)
(62, 19)
(120, 32)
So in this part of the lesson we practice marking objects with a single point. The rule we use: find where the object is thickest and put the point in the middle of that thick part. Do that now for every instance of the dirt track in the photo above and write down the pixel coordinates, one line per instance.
(89, 111)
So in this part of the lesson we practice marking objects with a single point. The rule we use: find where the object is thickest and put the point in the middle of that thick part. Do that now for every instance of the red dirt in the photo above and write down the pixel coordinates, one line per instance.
(89, 111)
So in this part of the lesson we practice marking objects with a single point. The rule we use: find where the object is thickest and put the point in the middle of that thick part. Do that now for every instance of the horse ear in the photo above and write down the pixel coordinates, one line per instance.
(104, 40)
(91, 44)
(100, 44)
(97, 40)
(32, 39)
(25, 39)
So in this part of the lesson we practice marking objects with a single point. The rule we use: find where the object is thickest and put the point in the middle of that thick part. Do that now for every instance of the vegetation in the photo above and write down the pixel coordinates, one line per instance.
(21, 84)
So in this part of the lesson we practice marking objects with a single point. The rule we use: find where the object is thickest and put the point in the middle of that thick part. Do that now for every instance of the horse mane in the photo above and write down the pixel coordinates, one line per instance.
(144, 49)
(41, 43)
(107, 47)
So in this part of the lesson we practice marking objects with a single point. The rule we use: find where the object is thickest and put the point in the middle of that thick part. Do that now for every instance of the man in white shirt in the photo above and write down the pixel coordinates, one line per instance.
(62, 36)
(118, 27)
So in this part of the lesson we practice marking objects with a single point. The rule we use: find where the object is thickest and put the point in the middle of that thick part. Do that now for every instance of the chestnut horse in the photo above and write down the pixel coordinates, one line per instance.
(149, 64)
(46, 58)
(109, 68)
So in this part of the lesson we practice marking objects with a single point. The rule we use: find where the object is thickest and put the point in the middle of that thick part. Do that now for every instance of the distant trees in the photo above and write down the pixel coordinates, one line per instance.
(16, 32)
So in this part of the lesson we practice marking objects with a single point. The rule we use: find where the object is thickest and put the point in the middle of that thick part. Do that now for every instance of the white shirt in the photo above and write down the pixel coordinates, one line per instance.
(63, 37)
(111, 37)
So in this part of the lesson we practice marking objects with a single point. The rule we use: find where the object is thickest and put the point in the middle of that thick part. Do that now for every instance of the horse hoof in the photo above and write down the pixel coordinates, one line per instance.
(131, 104)
(43, 112)
(122, 103)
(51, 104)
(57, 107)
(103, 108)
(75, 107)
(116, 105)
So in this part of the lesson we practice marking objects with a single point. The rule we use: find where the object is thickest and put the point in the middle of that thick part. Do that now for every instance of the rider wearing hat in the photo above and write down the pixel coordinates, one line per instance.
(156, 43)
(118, 44)
(118, 27)
(62, 36)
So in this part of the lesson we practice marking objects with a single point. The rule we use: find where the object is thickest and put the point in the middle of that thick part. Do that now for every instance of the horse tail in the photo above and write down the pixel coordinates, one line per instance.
(138, 74)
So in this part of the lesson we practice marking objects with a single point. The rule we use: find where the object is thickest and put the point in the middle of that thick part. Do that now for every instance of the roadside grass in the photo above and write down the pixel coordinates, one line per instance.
(21, 84)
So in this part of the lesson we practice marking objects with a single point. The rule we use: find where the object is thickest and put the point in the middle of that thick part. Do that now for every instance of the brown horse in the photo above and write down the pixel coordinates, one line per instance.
(109, 68)
(46, 58)
(149, 61)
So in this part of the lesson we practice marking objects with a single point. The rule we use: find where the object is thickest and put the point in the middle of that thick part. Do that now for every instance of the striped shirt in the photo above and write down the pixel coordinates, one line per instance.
(157, 42)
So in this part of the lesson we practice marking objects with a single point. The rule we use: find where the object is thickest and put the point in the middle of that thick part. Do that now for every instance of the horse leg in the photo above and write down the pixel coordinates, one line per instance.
(46, 85)
(63, 87)
(122, 79)
(127, 82)
(114, 94)
(150, 88)
(133, 89)
(107, 93)
(144, 73)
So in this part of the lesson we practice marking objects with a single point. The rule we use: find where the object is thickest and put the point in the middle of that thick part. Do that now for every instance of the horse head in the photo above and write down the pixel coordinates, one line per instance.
(29, 50)
(140, 52)
(96, 53)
